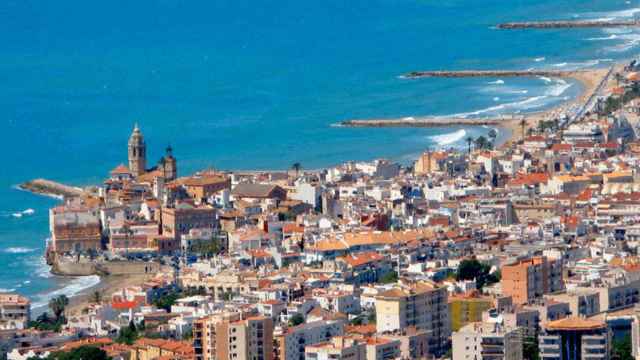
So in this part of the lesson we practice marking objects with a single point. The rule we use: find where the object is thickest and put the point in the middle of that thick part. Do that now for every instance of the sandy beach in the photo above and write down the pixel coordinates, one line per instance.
(589, 79)
(107, 286)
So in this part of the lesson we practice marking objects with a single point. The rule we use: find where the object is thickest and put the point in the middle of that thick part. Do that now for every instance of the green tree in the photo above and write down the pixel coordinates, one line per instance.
(165, 302)
(81, 353)
(622, 349)
(470, 269)
(96, 297)
(530, 349)
(127, 335)
(58, 305)
(296, 167)
(389, 277)
(296, 320)
(469, 142)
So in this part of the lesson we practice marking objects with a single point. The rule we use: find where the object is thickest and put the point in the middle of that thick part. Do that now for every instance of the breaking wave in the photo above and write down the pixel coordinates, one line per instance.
(74, 287)
(448, 138)
(19, 250)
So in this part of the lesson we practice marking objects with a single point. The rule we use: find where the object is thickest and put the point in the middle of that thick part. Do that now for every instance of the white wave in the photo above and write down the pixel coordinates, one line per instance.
(539, 59)
(28, 211)
(3, 290)
(497, 82)
(559, 89)
(612, 15)
(496, 98)
(610, 37)
(18, 250)
(630, 40)
(449, 138)
(74, 287)
(545, 79)
(27, 282)
(17, 215)
(408, 118)
(560, 64)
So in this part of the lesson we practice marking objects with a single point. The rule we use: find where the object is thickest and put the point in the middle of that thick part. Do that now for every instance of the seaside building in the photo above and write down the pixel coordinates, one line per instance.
(575, 339)
(15, 311)
(179, 220)
(137, 152)
(529, 279)
(74, 230)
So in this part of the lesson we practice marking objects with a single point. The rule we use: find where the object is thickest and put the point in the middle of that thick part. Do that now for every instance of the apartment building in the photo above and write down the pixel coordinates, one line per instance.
(486, 340)
(15, 311)
(231, 336)
(422, 305)
(339, 348)
(575, 339)
(529, 279)
(291, 344)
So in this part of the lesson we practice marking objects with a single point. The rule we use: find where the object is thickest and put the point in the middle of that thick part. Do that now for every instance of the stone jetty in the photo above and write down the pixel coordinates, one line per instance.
(52, 188)
(420, 122)
(489, 73)
(567, 24)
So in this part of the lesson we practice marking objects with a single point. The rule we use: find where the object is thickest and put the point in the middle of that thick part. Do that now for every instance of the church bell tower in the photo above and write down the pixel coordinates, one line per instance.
(137, 152)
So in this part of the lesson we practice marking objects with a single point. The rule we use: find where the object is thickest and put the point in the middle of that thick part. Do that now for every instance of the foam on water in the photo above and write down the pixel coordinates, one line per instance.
(74, 287)
(497, 82)
(448, 138)
(19, 250)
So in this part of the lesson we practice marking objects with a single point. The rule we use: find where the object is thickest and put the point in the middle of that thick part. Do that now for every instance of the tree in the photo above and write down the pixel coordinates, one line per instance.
(296, 320)
(84, 352)
(96, 297)
(165, 302)
(389, 277)
(58, 305)
(470, 269)
(622, 349)
(127, 335)
(492, 134)
(523, 125)
(530, 350)
(482, 143)
(296, 167)
(469, 142)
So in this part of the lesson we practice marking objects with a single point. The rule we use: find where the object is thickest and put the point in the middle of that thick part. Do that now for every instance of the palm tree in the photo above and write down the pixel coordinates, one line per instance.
(493, 134)
(469, 141)
(96, 297)
(296, 167)
(58, 304)
(523, 124)
(618, 78)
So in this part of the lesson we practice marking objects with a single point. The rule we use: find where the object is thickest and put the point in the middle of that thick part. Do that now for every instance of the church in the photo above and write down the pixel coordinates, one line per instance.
(166, 168)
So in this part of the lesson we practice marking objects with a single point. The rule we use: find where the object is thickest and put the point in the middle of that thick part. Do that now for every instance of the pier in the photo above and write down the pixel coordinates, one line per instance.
(52, 188)
(567, 24)
(419, 122)
(489, 73)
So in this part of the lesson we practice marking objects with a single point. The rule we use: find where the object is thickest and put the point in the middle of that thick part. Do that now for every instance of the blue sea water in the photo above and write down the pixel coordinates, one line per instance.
(255, 84)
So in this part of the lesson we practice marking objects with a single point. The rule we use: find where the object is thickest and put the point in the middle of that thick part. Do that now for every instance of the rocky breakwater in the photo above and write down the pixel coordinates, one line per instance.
(489, 73)
(567, 24)
(51, 188)
(419, 122)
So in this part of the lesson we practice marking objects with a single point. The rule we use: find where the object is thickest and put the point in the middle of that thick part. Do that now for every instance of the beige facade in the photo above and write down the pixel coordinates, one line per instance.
(231, 337)
(487, 341)
(421, 305)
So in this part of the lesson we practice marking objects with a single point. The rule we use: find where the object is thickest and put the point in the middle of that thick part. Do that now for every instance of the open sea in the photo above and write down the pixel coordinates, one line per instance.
(255, 85)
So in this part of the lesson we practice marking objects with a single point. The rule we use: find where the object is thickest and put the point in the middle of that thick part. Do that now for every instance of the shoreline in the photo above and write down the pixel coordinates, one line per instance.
(589, 80)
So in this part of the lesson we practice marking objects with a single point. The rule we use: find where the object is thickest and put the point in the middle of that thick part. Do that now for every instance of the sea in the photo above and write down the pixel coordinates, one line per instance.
(256, 85)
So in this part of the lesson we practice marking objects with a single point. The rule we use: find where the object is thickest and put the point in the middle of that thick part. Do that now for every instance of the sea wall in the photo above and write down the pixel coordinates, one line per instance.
(567, 24)
(68, 267)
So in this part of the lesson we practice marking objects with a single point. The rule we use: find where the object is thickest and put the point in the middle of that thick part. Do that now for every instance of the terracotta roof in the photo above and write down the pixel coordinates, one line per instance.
(355, 260)
(120, 170)
(574, 323)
